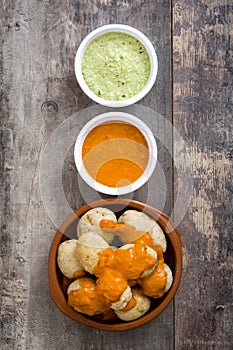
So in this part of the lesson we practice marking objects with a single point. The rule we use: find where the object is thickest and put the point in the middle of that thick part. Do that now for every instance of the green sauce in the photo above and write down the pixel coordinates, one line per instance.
(116, 66)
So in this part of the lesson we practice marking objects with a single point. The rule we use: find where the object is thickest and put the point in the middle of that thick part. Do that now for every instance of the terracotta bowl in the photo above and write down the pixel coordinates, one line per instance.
(173, 257)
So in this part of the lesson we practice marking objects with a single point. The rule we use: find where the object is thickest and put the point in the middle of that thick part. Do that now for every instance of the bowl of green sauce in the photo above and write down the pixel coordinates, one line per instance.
(116, 65)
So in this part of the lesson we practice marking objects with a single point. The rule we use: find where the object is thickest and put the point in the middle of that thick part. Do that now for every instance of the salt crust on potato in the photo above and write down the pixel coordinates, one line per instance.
(67, 258)
(123, 301)
(142, 222)
(90, 222)
(88, 247)
(169, 277)
(150, 251)
(142, 306)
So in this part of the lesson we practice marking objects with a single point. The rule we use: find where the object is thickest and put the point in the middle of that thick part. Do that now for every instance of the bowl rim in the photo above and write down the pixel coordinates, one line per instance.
(116, 116)
(58, 295)
(122, 28)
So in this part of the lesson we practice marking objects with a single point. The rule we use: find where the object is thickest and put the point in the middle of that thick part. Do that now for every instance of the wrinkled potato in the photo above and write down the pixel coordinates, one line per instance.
(142, 306)
(169, 277)
(142, 222)
(90, 222)
(158, 236)
(76, 285)
(137, 219)
(67, 258)
(123, 301)
(88, 247)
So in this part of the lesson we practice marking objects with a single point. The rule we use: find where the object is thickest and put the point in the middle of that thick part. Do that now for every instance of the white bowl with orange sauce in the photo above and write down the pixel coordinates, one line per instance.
(115, 153)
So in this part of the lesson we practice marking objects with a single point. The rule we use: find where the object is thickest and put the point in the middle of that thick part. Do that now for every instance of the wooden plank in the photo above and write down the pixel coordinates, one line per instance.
(39, 92)
(202, 55)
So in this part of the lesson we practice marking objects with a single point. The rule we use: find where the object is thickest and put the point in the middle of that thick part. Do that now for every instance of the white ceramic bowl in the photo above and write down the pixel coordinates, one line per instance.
(123, 29)
(114, 117)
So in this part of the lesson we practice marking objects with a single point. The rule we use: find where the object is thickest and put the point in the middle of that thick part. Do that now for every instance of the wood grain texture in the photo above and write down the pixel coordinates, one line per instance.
(203, 71)
(39, 92)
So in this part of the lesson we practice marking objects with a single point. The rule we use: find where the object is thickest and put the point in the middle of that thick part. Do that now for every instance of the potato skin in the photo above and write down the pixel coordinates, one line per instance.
(124, 299)
(169, 277)
(88, 247)
(142, 306)
(142, 222)
(137, 219)
(158, 236)
(76, 285)
(67, 259)
(90, 221)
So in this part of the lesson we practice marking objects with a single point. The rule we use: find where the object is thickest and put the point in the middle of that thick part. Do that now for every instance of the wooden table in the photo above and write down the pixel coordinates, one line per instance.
(191, 110)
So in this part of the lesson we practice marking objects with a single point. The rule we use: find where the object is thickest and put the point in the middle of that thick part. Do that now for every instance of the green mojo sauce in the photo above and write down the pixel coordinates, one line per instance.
(115, 66)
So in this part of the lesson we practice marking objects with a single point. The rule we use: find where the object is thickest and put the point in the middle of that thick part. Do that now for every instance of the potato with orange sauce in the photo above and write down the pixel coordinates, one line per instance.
(140, 307)
(90, 222)
(143, 223)
(123, 301)
(139, 220)
(88, 247)
(114, 287)
(149, 251)
(116, 270)
(84, 296)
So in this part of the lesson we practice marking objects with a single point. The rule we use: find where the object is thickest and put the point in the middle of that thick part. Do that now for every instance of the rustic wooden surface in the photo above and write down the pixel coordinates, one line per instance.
(203, 86)
(39, 92)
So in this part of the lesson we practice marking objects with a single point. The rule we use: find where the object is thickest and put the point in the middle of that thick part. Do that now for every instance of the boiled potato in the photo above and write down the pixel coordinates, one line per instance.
(137, 219)
(123, 301)
(142, 306)
(88, 247)
(142, 222)
(150, 251)
(169, 277)
(76, 285)
(67, 258)
(158, 236)
(90, 222)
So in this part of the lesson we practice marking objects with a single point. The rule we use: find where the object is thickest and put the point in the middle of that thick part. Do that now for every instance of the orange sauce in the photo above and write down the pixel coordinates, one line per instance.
(115, 154)
(154, 284)
(88, 299)
(130, 304)
(78, 274)
(146, 239)
(111, 284)
(115, 268)
(131, 263)
(126, 233)
(109, 224)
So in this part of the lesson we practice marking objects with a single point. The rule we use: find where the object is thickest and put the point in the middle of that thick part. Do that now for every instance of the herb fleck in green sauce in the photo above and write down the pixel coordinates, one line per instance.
(116, 66)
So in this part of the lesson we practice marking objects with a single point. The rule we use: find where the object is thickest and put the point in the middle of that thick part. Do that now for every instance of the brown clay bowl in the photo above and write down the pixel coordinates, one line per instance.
(173, 257)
